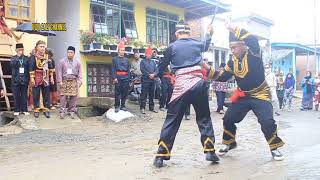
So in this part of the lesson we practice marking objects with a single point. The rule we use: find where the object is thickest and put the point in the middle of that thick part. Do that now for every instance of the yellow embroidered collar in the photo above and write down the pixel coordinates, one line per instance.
(242, 72)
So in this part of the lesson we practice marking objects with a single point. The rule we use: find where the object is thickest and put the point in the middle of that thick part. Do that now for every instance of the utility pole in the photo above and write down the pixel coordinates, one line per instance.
(315, 34)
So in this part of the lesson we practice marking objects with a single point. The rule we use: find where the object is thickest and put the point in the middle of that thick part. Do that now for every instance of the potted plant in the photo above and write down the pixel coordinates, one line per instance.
(143, 47)
(162, 48)
(97, 41)
(86, 38)
(154, 45)
(136, 44)
(128, 44)
(105, 40)
(113, 43)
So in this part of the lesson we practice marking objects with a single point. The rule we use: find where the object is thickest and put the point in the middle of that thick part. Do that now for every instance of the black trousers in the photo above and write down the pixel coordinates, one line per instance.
(280, 95)
(262, 109)
(198, 97)
(121, 93)
(158, 91)
(166, 92)
(45, 96)
(20, 97)
(220, 99)
(187, 113)
(147, 89)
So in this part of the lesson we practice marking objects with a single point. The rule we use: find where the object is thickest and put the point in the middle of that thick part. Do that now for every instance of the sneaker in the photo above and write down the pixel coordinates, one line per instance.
(53, 108)
(158, 162)
(276, 154)
(61, 116)
(26, 113)
(227, 148)
(211, 156)
(16, 113)
(278, 114)
(187, 117)
(124, 108)
(36, 115)
(153, 110)
(47, 114)
(142, 111)
(72, 115)
(116, 110)
(162, 109)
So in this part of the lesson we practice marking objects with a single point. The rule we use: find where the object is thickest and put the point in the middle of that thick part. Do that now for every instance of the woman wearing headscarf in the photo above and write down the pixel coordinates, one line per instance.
(307, 85)
(289, 84)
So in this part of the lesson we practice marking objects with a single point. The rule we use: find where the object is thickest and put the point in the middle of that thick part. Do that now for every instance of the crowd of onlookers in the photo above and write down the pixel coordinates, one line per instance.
(39, 84)
(286, 85)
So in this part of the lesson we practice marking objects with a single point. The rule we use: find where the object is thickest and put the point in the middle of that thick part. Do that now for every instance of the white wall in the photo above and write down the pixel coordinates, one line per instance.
(62, 11)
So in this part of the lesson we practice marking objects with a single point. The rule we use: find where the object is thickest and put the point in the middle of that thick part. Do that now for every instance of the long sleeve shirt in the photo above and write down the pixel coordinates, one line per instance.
(20, 70)
(135, 65)
(271, 80)
(147, 67)
(182, 53)
(248, 70)
(68, 69)
(280, 82)
(120, 64)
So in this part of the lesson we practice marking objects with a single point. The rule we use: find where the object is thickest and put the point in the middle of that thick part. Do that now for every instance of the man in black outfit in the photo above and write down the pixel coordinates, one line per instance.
(20, 80)
(149, 71)
(121, 73)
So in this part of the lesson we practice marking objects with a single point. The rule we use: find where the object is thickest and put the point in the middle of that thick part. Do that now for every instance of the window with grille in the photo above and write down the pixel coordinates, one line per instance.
(114, 17)
(160, 26)
(20, 9)
(100, 80)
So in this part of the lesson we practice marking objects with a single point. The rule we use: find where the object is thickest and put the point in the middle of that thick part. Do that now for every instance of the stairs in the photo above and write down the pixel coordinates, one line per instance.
(6, 103)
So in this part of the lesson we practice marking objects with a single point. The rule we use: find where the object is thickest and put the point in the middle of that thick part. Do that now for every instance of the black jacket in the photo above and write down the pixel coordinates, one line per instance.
(17, 77)
(251, 76)
(147, 67)
(183, 53)
(120, 64)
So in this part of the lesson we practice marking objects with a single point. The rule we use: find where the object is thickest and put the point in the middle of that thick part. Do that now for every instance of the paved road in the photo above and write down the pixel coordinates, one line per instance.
(99, 149)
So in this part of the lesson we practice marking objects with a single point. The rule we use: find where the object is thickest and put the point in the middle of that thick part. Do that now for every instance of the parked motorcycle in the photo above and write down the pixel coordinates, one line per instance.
(135, 89)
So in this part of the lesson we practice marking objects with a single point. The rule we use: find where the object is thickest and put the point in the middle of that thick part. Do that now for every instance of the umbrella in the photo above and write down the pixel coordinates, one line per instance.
(27, 28)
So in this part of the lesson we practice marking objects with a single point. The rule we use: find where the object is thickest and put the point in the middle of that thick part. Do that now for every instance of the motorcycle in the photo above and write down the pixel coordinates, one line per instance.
(135, 89)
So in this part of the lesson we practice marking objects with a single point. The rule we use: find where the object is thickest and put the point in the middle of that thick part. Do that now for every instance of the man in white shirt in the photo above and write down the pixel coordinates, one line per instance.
(272, 82)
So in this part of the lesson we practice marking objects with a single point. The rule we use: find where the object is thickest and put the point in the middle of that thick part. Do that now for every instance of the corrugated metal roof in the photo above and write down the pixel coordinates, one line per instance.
(198, 8)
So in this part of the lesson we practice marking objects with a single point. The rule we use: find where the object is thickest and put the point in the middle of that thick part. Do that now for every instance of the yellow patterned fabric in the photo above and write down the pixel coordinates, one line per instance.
(69, 87)
(262, 92)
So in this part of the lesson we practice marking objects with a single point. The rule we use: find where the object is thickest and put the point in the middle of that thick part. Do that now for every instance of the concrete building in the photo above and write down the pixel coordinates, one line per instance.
(295, 58)
(256, 24)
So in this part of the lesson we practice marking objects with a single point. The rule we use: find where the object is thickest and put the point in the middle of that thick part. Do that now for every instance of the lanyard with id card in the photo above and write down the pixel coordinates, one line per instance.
(21, 68)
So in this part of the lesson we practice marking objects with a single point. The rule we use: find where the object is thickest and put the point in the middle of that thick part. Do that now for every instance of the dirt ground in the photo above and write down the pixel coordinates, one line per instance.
(96, 148)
